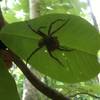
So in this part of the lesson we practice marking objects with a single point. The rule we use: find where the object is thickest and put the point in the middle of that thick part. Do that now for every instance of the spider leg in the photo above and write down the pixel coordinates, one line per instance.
(32, 54)
(31, 28)
(39, 32)
(50, 27)
(62, 48)
(59, 27)
(55, 58)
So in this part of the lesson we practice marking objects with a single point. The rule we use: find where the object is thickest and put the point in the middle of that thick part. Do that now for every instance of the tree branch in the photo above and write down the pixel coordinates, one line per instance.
(51, 93)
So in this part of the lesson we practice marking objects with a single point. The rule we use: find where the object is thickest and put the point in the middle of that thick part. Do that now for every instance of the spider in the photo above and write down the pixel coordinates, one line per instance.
(49, 41)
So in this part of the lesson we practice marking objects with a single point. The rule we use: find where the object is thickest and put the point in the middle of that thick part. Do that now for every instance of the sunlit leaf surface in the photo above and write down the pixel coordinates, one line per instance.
(80, 64)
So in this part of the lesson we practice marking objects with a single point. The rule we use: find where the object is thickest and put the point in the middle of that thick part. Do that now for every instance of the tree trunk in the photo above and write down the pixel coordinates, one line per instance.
(34, 8)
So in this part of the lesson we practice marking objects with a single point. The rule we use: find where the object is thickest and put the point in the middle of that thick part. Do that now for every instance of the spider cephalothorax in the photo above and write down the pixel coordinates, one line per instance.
(49, 41)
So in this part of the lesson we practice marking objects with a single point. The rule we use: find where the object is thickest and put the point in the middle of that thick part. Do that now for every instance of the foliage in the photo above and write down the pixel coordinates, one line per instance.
(19, 79)
(51, 6)
(63, 6)
(15, 10)
(78, 62)
(8, 89)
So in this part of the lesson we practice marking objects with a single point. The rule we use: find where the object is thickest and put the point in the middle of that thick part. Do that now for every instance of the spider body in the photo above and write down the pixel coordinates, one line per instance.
(49, 41)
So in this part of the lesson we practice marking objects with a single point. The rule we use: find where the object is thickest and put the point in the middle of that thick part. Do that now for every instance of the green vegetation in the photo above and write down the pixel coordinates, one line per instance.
(80, 65)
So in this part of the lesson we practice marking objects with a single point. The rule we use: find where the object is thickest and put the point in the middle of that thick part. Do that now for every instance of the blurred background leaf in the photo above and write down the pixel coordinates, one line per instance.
(8, 90)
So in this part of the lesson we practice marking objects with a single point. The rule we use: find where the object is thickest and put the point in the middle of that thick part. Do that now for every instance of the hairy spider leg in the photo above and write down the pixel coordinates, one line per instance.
(37, 49)
(50, 27)
(55, 58)
(31, 27)
(39, 32)
(59, 27)
(62, 48)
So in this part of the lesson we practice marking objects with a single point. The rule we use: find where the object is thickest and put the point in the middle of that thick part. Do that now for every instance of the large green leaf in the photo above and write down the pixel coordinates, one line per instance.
(8, 90)
(79, 65)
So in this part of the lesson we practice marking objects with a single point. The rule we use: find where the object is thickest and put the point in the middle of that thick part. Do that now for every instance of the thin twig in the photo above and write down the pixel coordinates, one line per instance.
(85, 93)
